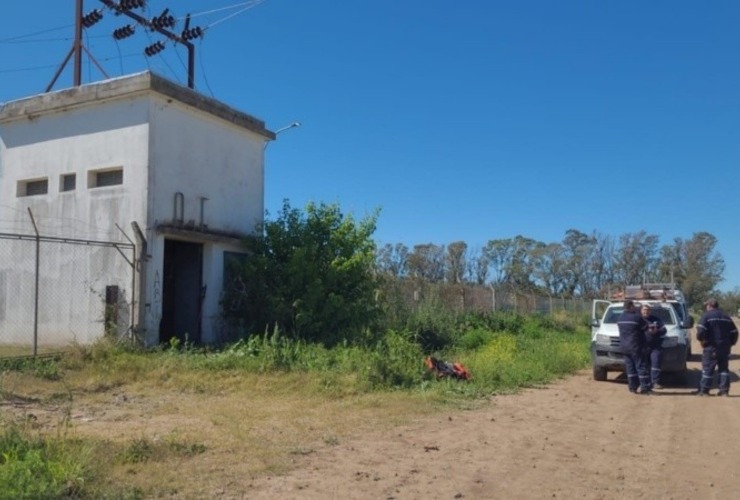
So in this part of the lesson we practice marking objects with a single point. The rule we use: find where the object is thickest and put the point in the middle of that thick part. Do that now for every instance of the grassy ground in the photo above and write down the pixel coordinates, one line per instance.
(102, 422)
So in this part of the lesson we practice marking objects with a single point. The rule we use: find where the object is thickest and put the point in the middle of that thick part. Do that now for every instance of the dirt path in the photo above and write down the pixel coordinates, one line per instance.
(575, 439)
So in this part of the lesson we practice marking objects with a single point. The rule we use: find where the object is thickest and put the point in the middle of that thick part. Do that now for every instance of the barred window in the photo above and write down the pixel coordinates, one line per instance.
(69, 182)
(33, 187)
(107, 177)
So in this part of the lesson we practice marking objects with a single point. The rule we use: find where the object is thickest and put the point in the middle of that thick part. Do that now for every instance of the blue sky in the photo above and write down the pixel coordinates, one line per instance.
(471, 120)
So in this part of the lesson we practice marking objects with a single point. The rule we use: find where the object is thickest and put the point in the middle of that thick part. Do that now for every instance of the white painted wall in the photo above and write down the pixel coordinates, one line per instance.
(199, 155)
(164, 147)
(73, 277)
(110, 134)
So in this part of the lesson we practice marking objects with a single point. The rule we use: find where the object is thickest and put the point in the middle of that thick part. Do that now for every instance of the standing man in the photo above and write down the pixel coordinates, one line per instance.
(655, 335)
(717, 334)
(633, 342)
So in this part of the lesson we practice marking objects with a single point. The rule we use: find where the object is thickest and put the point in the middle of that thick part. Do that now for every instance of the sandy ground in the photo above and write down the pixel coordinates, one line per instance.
(575, 439)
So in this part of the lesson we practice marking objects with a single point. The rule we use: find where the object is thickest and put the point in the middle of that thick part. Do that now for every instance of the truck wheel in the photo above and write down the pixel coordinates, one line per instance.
(599, 373)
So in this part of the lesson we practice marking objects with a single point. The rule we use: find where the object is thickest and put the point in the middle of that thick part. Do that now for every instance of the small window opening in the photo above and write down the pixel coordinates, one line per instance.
(69, 182)
(33, 187)
(102, 178)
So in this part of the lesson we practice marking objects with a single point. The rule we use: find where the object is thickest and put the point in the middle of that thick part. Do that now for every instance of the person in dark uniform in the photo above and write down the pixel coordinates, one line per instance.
(633, 342)
(655, 335)
(717, 334)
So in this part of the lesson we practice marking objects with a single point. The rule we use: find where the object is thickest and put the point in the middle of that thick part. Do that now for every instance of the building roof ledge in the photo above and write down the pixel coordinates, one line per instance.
(116, 88)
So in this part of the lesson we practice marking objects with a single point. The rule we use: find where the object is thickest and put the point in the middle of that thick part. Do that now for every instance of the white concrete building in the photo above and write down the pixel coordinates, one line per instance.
(95, 162)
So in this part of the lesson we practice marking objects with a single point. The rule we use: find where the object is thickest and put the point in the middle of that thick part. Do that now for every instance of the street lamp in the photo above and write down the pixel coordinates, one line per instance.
(292, 125)
(283, 129)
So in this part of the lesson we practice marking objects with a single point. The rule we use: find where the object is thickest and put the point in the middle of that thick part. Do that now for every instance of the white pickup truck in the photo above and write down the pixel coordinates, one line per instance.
(606, 354)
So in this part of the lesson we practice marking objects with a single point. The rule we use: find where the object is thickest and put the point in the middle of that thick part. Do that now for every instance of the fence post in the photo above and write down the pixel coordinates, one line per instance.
(143, 259)
(36, 287)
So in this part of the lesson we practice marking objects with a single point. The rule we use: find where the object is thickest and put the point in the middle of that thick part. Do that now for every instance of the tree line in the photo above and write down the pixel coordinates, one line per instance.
(580, 265)
(317, 274)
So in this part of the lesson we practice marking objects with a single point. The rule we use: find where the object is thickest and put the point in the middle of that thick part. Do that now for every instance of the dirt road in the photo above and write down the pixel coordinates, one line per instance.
(575, 439)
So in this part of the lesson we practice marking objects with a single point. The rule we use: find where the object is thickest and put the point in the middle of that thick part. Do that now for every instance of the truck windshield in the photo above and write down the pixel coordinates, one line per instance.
(612, 315)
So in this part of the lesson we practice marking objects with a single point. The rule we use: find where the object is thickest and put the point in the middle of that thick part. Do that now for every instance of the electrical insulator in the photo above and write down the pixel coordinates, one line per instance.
(123, 32)
(164, 20)
(92, 17)
(131, 4)
(192, 33)
(154, 48)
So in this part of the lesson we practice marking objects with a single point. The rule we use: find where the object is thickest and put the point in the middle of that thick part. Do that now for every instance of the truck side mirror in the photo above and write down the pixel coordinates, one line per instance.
(594, 322)
(688, 322)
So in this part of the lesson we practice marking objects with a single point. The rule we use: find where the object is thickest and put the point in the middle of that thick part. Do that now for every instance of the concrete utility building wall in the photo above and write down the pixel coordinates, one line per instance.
(206, 175)
(73, 279)
(191, 168)
(78, 141)
(204, 158)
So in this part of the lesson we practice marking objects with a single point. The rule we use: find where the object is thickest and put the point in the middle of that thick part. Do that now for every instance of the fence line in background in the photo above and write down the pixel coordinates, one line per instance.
(476, 298)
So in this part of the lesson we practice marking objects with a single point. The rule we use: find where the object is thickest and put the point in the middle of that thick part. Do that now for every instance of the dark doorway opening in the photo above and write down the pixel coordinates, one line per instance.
(182, 293)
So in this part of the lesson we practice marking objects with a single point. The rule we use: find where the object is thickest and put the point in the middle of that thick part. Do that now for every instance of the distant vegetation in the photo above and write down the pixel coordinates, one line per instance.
(581, 265)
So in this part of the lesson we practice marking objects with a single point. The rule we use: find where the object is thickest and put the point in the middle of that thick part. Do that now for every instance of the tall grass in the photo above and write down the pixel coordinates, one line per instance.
(503, 352)
(33, 466)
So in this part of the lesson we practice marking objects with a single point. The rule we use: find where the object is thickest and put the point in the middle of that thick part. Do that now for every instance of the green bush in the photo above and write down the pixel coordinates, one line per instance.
(474, 339)
(432, 327)
(43, 367)
(396, 362)
(509, 361)
(39, 468)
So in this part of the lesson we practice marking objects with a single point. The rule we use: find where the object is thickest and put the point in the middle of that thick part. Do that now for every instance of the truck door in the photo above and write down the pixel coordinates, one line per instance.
(597, 313)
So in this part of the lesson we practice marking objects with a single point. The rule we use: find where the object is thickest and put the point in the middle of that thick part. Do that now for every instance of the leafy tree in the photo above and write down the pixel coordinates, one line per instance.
(310, 273)
(499, 254)
(456, 261)
(393, 260)
(729, 302)
(636, 257)
(548, 263)
(427, 262)
(694, 264)
(478, 265)
(602, 275)
(512, 261)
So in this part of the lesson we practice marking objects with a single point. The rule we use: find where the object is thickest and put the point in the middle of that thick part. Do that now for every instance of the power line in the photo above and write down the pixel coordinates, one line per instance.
(18, 37)
(253, 3)
(183, 38)
(39, 40)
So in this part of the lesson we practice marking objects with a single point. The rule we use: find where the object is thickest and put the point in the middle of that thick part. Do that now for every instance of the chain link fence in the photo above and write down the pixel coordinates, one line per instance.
(55, 292)
(464, 298)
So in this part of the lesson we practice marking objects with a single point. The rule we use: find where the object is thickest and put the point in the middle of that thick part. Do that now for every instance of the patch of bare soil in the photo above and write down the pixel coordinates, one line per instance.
(577, 438)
